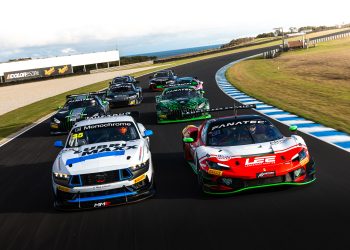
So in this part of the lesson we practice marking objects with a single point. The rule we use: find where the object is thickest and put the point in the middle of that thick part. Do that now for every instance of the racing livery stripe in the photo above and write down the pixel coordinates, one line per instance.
(104, 197)
(326, 134)
(94, 156)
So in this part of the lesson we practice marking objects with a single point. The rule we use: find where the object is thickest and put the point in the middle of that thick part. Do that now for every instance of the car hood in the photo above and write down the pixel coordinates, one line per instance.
(278, 151)
(101, 157)
(77, 113)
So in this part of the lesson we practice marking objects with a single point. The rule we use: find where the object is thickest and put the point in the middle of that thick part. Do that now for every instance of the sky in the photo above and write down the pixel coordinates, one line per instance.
(39, 28)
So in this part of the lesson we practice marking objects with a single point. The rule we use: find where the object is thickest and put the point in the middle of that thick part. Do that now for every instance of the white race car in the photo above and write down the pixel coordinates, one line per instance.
(105, 161)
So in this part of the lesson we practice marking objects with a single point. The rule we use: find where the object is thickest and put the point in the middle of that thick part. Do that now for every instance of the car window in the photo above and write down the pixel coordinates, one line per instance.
(178, 93)
(106, 132)
(235, 132)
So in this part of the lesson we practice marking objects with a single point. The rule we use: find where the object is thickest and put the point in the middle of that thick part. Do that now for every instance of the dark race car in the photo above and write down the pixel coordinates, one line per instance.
(125, 94)
(77, 108)
(187, 81)
(123, 79)
(161, 79)
(236, 153)
(173, 104)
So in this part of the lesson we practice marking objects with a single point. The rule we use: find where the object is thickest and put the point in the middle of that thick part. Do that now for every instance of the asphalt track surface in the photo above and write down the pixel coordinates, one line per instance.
(316, 216)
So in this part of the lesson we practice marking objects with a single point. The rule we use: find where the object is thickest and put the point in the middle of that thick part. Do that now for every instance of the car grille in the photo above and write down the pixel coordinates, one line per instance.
(105, 177)
(240, 183)
(181, 113)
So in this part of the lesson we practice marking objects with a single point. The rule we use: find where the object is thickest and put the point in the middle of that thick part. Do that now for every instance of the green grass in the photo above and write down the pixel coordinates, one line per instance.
(313, 83)
(13, 121)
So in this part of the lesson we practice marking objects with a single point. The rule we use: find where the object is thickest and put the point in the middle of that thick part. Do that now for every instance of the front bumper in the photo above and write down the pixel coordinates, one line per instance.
(123, 103)
(166, 118)
(105, 198)
(221, 185)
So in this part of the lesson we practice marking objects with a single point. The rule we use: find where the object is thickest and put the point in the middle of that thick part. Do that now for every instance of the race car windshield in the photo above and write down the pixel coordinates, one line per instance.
(80, 104)
(227, 135)
(103, 134)
(161, 74)
(180, 93)
(121, 89)
(118, 80)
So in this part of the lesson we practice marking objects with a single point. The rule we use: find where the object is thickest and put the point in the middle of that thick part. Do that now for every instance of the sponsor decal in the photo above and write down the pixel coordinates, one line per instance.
(92, 155)
(102, 204)
(261, 160)
(63, 70)
(304, 161)
(63, 189)
(50, 71)
(37, 73)
(214, 172)
(107, 125)
(266, 174)
(13, 76)
(140, 178)
(105, 148)
(179, 90)
(81, 99)
(237, 123)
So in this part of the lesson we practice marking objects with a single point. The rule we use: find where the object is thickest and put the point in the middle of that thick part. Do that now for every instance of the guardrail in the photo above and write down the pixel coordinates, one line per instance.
(329, 38)
(127, 66)
(275, 52)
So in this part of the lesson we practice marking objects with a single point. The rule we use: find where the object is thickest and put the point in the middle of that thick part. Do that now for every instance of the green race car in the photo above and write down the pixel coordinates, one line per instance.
(180, 104)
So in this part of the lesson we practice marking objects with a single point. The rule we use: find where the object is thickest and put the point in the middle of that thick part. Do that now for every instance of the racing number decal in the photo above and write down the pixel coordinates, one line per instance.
(77, 136)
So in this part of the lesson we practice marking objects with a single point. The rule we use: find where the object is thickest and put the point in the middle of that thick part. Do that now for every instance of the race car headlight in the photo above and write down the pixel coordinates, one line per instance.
(140, 166)
(55, 120)
(217, 165)
(300, 156)
(61, 178)
(202, 105)
(132, 97)
(108, 99)
(170, 82)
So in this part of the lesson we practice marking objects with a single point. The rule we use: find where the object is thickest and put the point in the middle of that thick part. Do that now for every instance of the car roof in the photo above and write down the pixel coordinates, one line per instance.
(180, 87)
(104, 119)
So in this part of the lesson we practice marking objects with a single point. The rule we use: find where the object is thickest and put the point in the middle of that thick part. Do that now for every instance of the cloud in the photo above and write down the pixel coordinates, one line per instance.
(68, 51)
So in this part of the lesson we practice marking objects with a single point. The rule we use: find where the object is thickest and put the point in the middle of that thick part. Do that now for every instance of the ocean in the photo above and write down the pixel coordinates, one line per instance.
(162, 54)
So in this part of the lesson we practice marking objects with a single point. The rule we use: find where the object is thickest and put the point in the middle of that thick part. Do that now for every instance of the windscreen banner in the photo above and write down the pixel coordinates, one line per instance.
(38, 73)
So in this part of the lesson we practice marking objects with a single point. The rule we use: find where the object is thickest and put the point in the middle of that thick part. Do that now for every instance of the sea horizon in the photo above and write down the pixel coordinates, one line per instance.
(167, 53)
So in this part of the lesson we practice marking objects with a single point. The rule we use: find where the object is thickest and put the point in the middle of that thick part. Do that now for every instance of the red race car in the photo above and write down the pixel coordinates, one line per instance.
(236, 153)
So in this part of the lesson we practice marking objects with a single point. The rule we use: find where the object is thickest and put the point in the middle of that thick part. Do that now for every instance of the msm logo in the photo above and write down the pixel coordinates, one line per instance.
(260, 160)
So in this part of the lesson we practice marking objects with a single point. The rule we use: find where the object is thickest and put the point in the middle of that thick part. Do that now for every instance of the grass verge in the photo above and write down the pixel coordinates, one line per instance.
(313, 83)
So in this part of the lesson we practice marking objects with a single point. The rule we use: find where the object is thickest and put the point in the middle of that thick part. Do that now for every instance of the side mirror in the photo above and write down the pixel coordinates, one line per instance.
(293, 128)
(188, 140)
(59, 107)
(147, 133)
(202, 91)
(196, 77)
(58, 144)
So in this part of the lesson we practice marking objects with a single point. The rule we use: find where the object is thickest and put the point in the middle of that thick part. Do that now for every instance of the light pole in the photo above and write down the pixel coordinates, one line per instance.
(280, 29)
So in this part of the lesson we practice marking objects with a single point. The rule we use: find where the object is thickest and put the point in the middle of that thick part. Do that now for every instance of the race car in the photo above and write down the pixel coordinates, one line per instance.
(161, 79)
(77, 108)
(235, 153)
(123, 79)
(105, 161)
(173, 104)
(125, 94)
(187, 81)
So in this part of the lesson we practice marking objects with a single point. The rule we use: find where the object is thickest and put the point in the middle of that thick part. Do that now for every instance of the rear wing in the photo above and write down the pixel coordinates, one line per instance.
(234, 108)
(100, 94)
(133, 114)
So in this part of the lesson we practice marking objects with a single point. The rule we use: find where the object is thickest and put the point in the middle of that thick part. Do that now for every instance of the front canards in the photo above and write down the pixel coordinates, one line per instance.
(175, 104)
(105, 161)
(232, 154)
